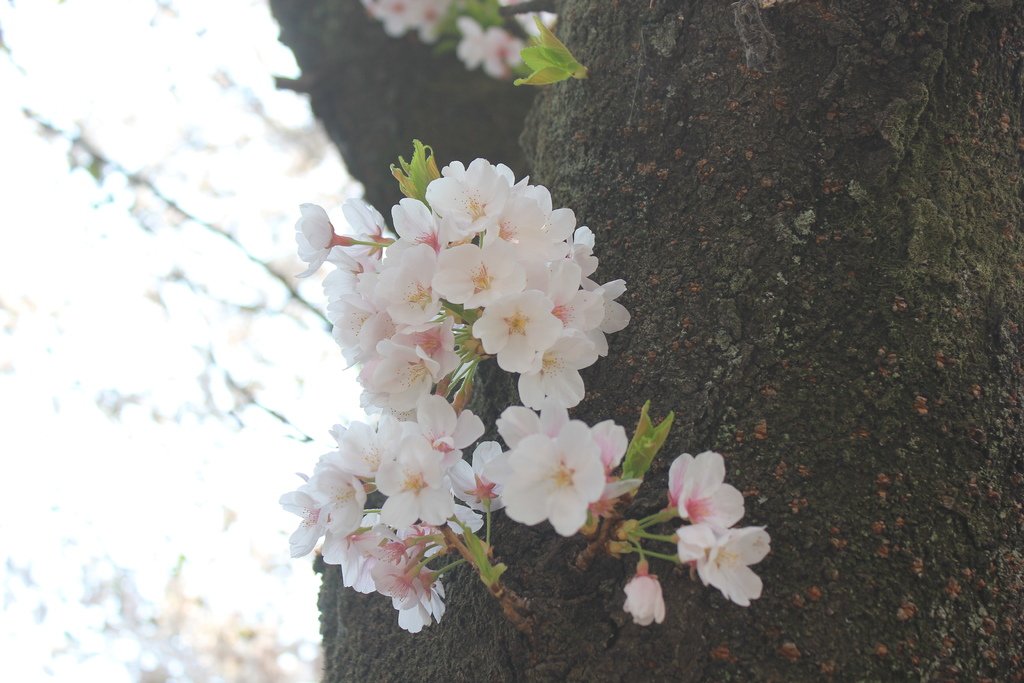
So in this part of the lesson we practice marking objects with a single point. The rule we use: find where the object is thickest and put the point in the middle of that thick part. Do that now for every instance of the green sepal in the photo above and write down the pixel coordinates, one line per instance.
(414, 176)
(469, 316)
(647, 441)
(489, 574)
(549, 59)
(542, 77)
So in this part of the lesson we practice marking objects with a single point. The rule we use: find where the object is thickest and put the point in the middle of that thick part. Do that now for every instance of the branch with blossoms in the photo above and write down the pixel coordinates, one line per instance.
(485, 34)
(484, 268)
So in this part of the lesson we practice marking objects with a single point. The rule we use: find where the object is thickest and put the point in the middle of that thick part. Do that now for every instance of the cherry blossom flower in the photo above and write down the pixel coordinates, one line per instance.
(354, 553)
(517, 328)
(415, 487)
(362, 448)
(472, 197)
(341, 493)
(436, 341)
(576, 308)
(469, 275)
(416, 224)
(554, 479)
(314, 234)
(523, 224)
(558, 377)
(405, 284)
(401, 16)
(367, 225)
(516, 423)
(615, 317)
(401, 375)
(472, 484)
(583, 250)
(358, 327)
(495, 48)
(429, 608)
(445, 432)
(307, 504)
(723, 559)
(643, 597)
(696, 489)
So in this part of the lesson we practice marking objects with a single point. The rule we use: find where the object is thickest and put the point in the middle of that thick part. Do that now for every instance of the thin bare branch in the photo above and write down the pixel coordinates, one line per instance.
(138, 180)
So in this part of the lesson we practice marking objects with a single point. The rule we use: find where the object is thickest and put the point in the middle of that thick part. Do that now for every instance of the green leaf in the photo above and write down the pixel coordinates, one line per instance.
(647, 441)
(549, 59)
(543, 77)
(414, 176)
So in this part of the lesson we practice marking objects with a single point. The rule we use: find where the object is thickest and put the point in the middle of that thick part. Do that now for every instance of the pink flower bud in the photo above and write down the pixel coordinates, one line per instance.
(643, 597)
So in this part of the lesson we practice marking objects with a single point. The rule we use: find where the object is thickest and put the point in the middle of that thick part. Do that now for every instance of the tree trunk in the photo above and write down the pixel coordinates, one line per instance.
(817, 207)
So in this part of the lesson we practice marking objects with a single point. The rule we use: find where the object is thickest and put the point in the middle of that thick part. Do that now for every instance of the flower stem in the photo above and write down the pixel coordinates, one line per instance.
(450, 566)
(659, 517)
(487, 536)
(665, 538)
(661, 556)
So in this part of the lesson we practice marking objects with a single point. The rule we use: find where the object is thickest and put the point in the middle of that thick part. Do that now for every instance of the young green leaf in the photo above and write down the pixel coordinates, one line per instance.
(414, 176)
(647, 441)
(549, 59)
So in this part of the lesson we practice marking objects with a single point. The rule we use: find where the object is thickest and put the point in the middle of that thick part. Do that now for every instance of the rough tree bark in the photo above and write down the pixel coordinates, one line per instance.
(817, 207)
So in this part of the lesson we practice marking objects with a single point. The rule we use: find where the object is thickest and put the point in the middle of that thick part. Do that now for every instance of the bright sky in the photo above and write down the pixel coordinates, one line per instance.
(140, 534)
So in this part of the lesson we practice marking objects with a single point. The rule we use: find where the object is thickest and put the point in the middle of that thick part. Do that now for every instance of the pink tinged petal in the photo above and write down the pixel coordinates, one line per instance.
(516, 423)
(741, 585)
(360, 216)
(303, 539)
(695, 543)
(582, 456)
(752, 544)
(726, 507)
(436, 416)
(485, 453)
(619, 487)
(497, 470)
(566, 387)
(463, 480)
(561, 224)
(564, 282)
(400, 511)
(676, 476)
(705, 475)
(531, 389)
(611, 439)
(468, 429)
(466, 517)
(519, 355)
(567, 512)
(524, 503)
(435, 506)
(553, 418)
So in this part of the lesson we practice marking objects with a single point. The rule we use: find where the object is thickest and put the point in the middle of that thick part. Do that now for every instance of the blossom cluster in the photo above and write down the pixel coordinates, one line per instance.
(484, 267)
(720, 553)
(480, 38)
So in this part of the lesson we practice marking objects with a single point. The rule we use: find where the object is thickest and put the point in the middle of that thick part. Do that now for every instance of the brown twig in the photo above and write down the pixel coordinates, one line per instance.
(513, 606)
(599, 543)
